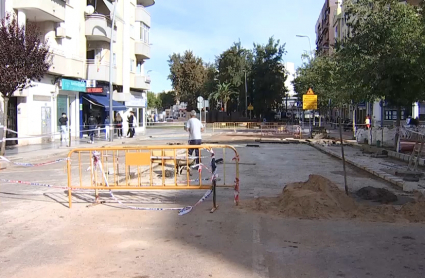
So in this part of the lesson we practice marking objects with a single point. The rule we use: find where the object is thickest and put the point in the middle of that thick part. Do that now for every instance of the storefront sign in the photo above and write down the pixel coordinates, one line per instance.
(73, 85)
(94, 90)
(136, 102)
(91, 83)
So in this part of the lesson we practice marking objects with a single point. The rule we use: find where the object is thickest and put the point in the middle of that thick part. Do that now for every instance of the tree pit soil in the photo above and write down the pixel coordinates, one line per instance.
(320, 198)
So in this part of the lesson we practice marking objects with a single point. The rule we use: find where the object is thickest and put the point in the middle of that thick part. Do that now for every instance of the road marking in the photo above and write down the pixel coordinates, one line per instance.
(259, 265)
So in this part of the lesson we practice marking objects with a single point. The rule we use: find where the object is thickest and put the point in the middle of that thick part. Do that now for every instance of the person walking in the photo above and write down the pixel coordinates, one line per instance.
(99, 124)
(92, 123)
(107, 122)
(118, 122)
(195, 128)
(130, 120)
(367, 122)
(63, 122)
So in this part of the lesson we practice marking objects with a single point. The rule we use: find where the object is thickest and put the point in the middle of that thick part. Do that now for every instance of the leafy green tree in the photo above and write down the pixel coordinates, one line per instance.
(153, 100)
(187, 75)
(224, 94)
(232, 66)
(167, 99)
(268, 76)
(384, 55)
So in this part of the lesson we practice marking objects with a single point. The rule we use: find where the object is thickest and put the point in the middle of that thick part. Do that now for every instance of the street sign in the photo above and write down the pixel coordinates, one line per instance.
(310, 100)
(250, 107)
(200, 99)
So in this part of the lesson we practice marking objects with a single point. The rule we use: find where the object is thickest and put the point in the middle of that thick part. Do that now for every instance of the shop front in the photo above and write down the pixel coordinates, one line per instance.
(96, 102)
(137, 103)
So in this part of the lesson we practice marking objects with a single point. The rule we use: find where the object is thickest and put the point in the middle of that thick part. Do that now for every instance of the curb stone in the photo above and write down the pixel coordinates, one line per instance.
(382, 175)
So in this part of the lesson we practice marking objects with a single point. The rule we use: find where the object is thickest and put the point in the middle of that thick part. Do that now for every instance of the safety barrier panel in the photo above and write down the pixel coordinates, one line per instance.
(235, 126)
(153, 168)
(280, 129)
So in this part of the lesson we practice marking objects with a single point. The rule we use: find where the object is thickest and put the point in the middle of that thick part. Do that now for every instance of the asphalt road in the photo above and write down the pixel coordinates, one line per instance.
(40, 236)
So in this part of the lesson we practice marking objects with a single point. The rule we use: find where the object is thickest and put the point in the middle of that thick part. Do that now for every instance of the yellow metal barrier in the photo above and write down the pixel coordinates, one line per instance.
(152, 168)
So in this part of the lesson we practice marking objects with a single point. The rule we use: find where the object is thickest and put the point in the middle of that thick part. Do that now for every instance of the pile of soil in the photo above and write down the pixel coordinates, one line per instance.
(319, 198)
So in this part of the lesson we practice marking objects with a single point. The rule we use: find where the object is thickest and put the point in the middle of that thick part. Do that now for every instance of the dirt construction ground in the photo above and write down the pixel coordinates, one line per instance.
(41, 237)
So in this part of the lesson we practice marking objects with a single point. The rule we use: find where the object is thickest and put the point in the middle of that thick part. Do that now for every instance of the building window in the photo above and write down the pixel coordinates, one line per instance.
(391, 115)
(131, 65)
(144, 33)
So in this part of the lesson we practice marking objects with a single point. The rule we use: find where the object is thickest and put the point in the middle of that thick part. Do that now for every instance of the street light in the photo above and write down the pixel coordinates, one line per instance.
(111, 111)
(309, 43)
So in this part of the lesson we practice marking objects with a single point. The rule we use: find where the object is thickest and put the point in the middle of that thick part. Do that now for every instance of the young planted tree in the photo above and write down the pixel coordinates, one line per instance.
(24, 58)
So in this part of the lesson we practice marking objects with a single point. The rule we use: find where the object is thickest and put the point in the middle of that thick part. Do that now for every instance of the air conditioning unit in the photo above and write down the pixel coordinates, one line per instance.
(60, 32)
(148, 80)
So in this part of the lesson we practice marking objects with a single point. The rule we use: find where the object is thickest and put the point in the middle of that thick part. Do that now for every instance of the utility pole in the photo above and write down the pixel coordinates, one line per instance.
(111, 89)
(246, 97)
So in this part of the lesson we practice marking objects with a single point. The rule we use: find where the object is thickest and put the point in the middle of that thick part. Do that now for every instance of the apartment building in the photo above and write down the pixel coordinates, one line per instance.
(325, 37)
(79, 34)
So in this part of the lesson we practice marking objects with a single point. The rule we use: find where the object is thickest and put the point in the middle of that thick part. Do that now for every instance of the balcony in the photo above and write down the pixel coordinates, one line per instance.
(67, 66)
(142, 49)
(142, 15)
(42, 10)
(98, 28)
(142, 82)
(100, 71)
(146, 3)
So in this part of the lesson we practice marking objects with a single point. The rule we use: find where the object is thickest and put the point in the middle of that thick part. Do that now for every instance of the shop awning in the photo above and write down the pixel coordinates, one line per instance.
(104, 101)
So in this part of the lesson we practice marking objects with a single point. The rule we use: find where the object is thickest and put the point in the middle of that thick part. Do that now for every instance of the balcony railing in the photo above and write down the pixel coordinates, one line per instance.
(99, 70)
(98, 28)
(142, 15)
(142, 49)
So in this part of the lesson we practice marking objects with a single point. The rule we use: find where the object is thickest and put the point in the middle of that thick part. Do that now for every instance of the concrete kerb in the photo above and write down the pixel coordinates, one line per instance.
(380, 174)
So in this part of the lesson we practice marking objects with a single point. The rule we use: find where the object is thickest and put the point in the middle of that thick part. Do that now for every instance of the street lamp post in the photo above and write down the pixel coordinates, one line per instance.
(111, 111)
(309, 43)
(246, 97)
(311, 58)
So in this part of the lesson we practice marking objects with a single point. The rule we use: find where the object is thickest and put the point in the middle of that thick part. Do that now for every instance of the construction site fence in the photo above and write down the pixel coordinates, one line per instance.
(133, 168)
(264, 128)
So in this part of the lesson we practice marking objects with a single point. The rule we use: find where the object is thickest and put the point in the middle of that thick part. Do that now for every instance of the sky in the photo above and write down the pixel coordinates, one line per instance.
(210, 27)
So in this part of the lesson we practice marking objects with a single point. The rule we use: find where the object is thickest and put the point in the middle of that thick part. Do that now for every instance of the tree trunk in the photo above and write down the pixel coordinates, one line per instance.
(5, 111)
(397, 134)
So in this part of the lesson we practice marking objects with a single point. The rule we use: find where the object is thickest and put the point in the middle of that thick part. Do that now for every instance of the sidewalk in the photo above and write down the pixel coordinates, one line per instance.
(384, 168)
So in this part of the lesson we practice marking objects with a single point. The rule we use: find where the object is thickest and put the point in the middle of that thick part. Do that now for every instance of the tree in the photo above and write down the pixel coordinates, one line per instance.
(167, 99)
(24, 58)
(232, 66)
(224, 94)
(187, 75)
(268, 76)
(153, 100)
(385, 53)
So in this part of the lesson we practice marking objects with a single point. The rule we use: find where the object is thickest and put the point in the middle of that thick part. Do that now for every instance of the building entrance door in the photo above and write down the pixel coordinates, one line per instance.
(46, 124)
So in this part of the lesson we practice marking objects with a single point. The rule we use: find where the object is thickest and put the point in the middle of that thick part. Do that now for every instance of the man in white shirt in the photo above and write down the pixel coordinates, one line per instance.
(194, 127)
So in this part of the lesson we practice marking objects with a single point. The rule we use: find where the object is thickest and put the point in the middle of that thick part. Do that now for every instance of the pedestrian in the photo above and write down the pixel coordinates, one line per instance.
(63, 122)
(107, 122)
(99, 124)
(118, 122)
(92, 123)
(130, 120)
(194, 127)
(367, 121)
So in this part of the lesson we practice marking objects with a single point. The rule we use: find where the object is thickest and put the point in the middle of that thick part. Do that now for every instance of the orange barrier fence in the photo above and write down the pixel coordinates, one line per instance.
(154, 168)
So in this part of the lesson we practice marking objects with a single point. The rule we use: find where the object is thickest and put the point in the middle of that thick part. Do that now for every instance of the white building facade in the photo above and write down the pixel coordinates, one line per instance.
(77, 83)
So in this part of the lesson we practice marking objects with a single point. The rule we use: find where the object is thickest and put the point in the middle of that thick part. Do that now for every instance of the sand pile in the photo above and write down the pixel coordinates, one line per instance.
(319, 198)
